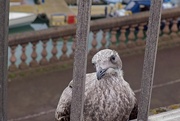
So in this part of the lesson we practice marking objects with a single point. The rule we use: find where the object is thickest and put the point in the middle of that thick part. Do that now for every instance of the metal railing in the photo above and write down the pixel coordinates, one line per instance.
(149, 60)
(132, 35)
(4, 21)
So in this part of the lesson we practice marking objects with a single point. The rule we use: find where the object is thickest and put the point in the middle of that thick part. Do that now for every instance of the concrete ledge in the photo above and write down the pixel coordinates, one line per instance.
(164, 109)
(172, 115)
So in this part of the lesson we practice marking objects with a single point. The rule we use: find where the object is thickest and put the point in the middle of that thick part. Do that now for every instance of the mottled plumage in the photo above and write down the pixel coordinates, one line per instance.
(108, 97)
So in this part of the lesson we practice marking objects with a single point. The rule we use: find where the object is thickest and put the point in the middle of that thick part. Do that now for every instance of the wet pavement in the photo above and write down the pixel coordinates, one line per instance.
(35, 98)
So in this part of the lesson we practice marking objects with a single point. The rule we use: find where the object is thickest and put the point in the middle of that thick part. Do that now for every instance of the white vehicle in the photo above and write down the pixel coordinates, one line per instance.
(167, 5)
(19, 19)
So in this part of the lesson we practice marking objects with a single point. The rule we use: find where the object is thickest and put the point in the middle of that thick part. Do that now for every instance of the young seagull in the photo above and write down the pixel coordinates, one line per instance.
(108, 97)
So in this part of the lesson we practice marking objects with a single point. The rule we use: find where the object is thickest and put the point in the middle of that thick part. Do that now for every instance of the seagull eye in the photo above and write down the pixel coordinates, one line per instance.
(113, 59)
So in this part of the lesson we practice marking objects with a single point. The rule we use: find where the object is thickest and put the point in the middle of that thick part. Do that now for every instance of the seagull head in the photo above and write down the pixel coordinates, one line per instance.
(107, 63)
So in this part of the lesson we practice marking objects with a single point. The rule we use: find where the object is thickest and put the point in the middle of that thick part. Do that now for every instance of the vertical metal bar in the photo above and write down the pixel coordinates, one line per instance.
(149, 60)
(4, 23)
(79, 72)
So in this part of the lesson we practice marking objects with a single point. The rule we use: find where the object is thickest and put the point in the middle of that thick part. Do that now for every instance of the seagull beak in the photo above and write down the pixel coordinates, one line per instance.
(100, 73)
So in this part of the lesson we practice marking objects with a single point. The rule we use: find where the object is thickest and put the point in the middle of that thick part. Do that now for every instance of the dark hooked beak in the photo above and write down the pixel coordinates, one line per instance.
(100, 73)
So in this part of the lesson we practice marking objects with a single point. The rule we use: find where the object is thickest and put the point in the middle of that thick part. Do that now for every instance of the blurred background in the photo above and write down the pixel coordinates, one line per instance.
(42, 43)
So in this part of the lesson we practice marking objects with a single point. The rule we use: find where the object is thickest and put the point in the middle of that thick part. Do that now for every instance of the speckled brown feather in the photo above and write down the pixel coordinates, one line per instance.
(107, 99)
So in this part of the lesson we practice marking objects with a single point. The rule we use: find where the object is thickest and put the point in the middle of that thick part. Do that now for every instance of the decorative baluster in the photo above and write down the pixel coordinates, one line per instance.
(140, 35)
(122, 37)
(44, 61)
(113, 38)
(54, 51)
(131, 37)
(174, 28)
(103, 41)
(64, 49)
(23, 64)
(73, 46)
(34, 62)
(94, 44)
(13, 66)
(166, 31)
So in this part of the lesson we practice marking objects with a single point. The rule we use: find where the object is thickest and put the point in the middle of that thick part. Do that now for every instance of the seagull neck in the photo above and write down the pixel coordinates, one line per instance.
(120, 72)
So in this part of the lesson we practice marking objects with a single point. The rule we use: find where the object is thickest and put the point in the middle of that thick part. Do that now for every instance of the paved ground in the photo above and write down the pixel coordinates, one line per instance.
(35, 98)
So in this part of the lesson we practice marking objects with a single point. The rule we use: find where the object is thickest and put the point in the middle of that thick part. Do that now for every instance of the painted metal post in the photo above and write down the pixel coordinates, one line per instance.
(4, 23)
(80, 62)
(150, 59)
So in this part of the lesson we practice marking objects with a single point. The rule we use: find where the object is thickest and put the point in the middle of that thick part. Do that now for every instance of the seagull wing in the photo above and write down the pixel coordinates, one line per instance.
(63, 109)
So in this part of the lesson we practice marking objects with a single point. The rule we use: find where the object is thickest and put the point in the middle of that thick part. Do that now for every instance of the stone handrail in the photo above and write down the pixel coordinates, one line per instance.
(122, 34)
